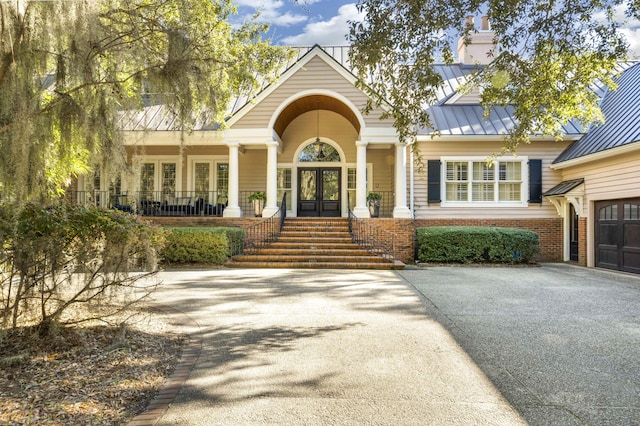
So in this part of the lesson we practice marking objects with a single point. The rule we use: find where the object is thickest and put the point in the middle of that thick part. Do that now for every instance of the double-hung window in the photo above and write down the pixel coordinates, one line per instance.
(474, 181)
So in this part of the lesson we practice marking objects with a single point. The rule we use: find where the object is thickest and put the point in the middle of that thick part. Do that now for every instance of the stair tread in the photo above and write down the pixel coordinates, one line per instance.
(313, 243)
(302, 258)
(316, 265)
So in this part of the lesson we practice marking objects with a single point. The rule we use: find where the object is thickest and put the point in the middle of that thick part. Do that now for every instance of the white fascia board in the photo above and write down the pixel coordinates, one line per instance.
(172, 138)
(316, 51)
(487, 138)
(379, 135)
(255, 136)
(630, 147)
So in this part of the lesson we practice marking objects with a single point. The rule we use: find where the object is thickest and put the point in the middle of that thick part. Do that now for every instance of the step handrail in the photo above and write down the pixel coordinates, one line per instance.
(371, 238)
(267, 230)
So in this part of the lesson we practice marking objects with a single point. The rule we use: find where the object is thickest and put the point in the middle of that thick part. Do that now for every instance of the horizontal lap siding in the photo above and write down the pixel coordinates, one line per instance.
(315, 74)
(616, 177)
(610, 179)
(434, 150)
(253, 170)
(382, 161)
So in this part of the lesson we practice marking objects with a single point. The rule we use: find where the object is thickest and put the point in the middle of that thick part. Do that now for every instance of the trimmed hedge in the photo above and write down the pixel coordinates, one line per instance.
(202, 244)
(476, 244)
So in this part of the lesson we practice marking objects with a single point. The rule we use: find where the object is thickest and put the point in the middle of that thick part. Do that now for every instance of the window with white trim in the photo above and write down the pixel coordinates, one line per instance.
(476, 181)
(158, 179)
(351, 183)
(284, 185)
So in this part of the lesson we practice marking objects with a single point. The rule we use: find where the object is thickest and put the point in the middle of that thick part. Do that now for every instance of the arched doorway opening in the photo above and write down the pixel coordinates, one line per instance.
(319, 175)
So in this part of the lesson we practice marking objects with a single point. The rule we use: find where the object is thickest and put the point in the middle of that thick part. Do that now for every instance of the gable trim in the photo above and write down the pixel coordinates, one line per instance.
(624, 149)
(317, 51)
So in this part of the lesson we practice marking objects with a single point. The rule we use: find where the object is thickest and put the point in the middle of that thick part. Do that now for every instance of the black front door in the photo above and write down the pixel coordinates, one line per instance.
(319, 192)
(573, 237)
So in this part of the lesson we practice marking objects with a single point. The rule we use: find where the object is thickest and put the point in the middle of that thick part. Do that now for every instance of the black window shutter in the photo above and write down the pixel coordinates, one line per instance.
(535, 181)
(433, 181)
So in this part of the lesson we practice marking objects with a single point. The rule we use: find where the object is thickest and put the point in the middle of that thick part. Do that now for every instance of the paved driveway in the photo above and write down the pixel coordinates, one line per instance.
(561, 343)
(305, 347)
(438, 345)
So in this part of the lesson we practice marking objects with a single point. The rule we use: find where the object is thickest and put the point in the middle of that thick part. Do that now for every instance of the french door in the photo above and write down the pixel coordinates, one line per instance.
(319, 192)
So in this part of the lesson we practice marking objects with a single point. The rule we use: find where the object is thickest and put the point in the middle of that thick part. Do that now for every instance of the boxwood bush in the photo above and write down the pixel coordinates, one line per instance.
(476, 244)
(201, 244)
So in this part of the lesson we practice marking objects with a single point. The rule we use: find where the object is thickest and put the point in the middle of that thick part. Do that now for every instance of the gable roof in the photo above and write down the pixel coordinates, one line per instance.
(456, 115)
(621, 109)
(158, 117)
(452, 115)
(337, 57)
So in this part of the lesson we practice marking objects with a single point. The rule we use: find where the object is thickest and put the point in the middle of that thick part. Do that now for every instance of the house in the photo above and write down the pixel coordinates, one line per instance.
(305, 138)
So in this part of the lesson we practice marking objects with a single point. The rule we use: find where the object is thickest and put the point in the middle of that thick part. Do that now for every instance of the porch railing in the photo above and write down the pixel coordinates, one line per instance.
(372, 238)
(267, 230)
(155, 203)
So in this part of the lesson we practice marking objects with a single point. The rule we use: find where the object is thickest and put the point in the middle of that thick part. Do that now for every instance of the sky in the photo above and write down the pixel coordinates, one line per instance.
(305, 22)
(325, 22)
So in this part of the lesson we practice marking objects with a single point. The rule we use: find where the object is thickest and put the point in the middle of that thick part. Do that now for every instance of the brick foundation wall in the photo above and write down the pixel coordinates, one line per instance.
(549, 231)
(405, 235)
(242, 222)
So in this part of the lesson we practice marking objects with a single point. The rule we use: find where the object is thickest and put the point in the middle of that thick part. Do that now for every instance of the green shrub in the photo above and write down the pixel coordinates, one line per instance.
(476, 244)
(201, 244)
(62, 256)
(235, 239)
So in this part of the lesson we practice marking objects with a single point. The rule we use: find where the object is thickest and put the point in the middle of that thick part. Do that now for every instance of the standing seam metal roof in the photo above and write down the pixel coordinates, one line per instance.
(621, 109)
(448, 119)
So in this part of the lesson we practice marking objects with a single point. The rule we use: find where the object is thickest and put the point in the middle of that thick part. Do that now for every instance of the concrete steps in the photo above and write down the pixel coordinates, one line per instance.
(315, 243)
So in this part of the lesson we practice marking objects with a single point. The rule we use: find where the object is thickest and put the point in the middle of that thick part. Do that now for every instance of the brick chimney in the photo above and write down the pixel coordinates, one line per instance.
(482, 44)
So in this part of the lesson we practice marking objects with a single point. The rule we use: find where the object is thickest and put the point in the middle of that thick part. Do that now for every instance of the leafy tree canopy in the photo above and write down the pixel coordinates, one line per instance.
(68, 66)
(549, 53)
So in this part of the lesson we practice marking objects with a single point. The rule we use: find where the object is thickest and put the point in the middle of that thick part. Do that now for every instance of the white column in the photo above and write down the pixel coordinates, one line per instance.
(233, 209)
(271, 206)
(361, 209)
(401, 210)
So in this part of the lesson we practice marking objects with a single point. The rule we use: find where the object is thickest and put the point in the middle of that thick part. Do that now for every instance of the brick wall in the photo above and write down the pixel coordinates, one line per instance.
(243, 222)
(582, 241)
(405, 235)
(549, 231)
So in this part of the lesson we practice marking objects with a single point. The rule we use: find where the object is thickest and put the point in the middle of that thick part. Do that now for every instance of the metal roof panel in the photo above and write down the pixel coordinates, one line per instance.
(621, 109)
(564, 187)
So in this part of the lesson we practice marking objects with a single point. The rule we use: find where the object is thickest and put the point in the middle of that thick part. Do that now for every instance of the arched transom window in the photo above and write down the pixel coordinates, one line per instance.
(319, 152)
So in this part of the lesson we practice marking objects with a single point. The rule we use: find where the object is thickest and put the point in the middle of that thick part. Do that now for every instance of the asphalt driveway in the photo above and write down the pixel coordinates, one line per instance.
(554, 344)
(561, 343)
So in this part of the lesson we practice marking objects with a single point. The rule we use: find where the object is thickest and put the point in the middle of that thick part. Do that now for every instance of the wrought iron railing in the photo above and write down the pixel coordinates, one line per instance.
(267, 230)
(372, 238)
(155, 203)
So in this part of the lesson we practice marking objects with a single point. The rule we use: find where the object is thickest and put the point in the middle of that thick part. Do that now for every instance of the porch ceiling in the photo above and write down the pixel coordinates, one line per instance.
(311, 103)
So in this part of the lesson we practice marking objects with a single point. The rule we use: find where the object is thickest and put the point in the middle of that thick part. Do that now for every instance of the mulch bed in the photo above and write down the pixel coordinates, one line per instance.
(97, 374)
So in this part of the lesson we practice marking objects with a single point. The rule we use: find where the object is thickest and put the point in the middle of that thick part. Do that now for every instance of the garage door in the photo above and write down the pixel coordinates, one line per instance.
(618, 235)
